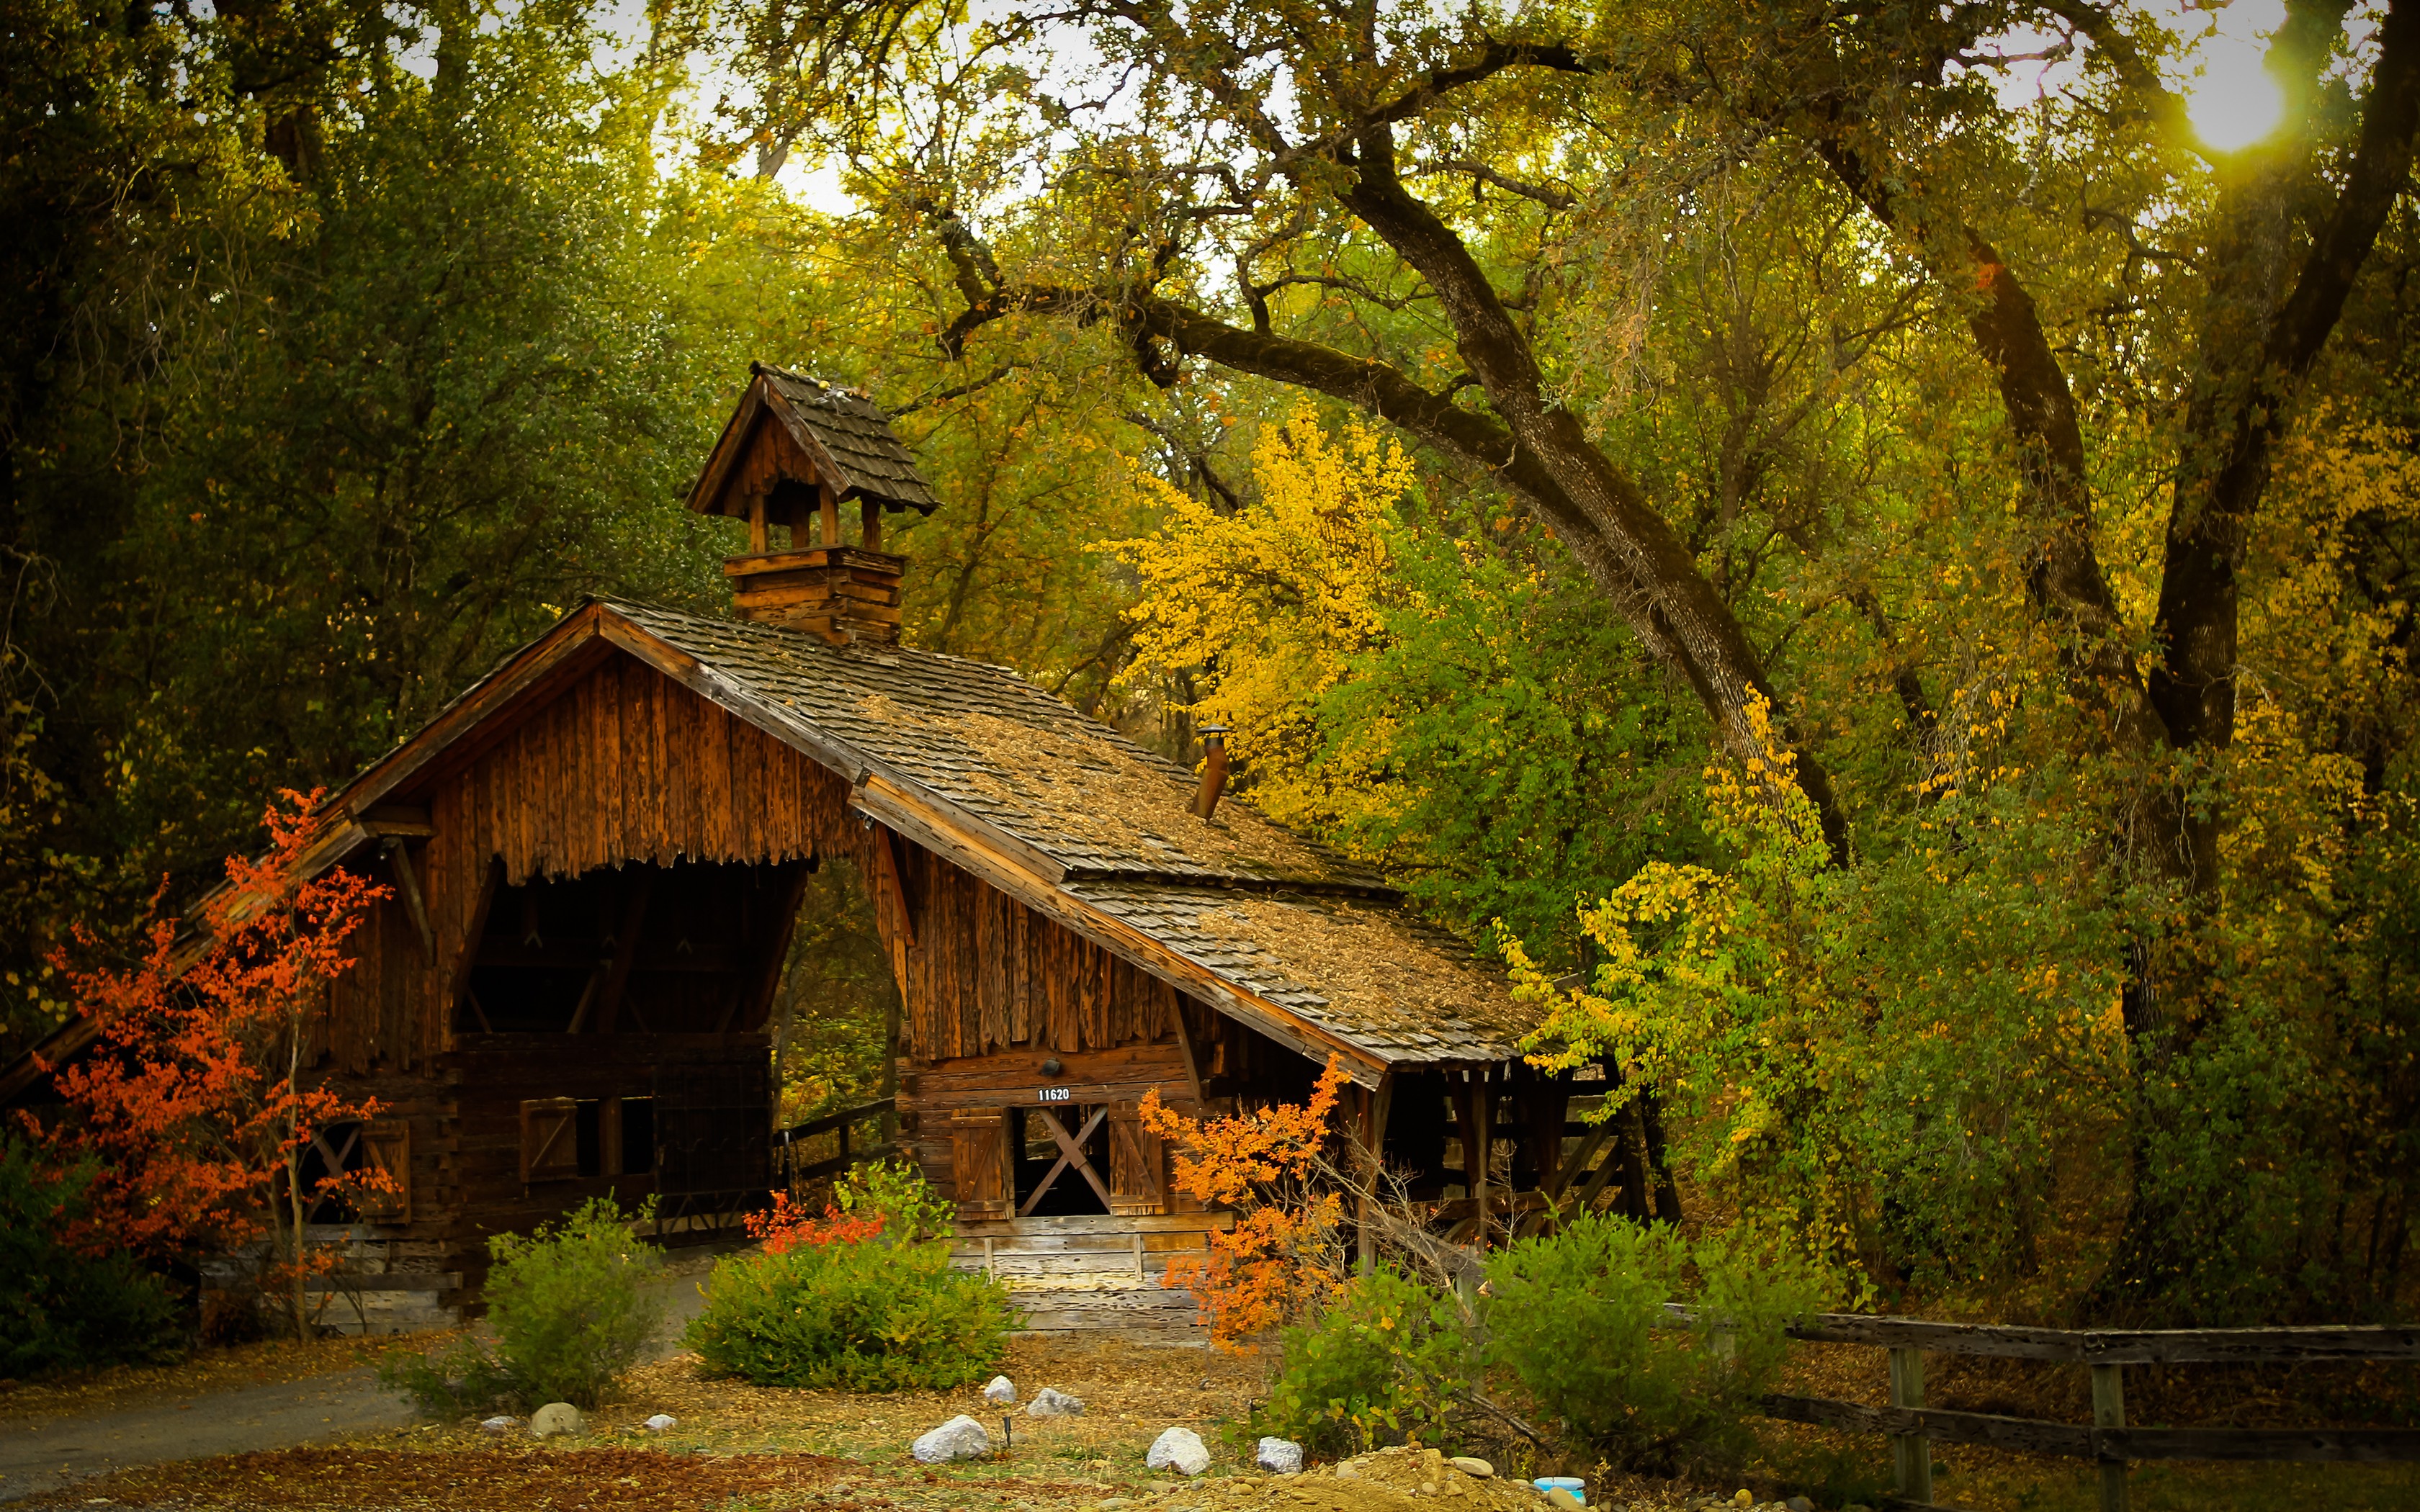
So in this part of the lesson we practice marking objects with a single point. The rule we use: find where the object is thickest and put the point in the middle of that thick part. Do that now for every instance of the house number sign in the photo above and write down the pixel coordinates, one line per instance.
(1055, 1094)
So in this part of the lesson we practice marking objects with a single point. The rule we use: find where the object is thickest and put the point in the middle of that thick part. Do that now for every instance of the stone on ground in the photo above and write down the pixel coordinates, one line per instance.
(1002, 1391)
(1469, 1466)
(1281, 1456)
(498, 1425)
(1180, 1450)
(662, 1422)
(1053, 1402)
(1800, 1503)
(1563, 1501)
(960, 1437)
(556, 1418)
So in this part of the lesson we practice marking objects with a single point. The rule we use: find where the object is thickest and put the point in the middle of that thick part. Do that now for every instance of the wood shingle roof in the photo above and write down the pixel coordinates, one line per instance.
(1064, 814)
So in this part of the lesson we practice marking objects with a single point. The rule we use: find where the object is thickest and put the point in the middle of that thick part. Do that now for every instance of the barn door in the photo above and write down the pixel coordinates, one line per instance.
(1137, 1164)
(550, 1142)
(980, 1168)
(711, 1137)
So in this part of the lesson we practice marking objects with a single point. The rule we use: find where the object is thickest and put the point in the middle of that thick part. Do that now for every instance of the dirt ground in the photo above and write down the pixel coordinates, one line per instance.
(738, 1448)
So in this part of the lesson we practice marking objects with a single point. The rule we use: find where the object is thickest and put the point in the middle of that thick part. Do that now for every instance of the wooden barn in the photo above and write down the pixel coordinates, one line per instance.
(598, 852)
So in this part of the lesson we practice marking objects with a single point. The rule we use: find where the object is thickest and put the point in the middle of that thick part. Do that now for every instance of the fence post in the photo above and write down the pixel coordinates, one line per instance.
(1910, 1452)
(2109, 1411)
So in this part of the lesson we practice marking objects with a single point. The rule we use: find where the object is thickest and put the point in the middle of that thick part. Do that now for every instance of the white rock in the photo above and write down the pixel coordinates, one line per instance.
(662, 1421)
(1478, 1468)
(1180, 1450)
(960, 1437)
(556, 1417)
(1281, 1456)
(1053, 1402)
(498, 1425)
(1002, 1391)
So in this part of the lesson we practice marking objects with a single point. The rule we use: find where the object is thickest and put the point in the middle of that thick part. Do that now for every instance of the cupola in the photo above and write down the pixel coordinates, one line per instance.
(796, 452)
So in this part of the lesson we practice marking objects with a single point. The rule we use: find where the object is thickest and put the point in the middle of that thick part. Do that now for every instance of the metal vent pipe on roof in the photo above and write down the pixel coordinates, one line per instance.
(1213, 770)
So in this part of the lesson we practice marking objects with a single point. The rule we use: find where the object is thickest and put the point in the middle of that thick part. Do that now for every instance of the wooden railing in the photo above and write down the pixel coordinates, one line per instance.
(1913, 1427)
(789, 1170)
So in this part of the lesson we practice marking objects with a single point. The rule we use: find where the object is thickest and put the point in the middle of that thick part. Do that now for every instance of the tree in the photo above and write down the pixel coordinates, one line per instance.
(199, 1096)
(1509, 233)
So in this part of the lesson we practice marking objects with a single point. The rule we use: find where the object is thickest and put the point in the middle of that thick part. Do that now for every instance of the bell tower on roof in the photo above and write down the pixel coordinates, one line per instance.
(794, 454)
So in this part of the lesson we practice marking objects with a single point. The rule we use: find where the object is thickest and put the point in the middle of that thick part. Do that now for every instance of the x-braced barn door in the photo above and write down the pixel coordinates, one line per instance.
(711, 1138)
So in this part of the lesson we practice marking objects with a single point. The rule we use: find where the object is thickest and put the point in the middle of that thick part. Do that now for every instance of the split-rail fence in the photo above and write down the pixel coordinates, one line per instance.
(1913, 1427)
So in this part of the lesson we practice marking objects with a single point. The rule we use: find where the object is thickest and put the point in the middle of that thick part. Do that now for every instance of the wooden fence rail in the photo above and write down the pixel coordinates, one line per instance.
(1914, 1428)
(791, 1172)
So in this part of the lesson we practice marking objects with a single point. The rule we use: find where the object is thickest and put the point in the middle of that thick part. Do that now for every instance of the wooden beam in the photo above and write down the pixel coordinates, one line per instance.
(398, 857)
(1184, 1045)
(458, 983)
(886, 861)
(1071, 1150)
(398, 819)
(1375, 1103)
(749, 1010)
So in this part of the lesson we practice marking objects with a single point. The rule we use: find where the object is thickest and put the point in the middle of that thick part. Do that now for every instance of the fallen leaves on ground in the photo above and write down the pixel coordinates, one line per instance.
(495, 1480)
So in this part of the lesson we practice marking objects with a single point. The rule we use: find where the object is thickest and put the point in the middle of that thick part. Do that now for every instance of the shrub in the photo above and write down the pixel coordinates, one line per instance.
(1383, 1360)
(572, 1310)
(63, 1308)
(863, 1301)
(1574, 1319)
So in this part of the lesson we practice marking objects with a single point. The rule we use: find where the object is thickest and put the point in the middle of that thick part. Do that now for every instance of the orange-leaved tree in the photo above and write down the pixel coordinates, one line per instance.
(198, 1096)
(1286, 1252)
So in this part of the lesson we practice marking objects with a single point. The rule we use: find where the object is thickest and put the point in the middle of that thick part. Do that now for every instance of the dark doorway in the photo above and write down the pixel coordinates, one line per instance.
(1040, 1156)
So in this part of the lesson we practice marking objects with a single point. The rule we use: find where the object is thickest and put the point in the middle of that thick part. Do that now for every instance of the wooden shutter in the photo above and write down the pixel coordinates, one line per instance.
(980, 1152)
(387, 1147)
(549, 1141)
(1137, 1164)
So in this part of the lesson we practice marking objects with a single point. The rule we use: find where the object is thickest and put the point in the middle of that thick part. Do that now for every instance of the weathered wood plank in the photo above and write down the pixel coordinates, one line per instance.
(1099, 1223)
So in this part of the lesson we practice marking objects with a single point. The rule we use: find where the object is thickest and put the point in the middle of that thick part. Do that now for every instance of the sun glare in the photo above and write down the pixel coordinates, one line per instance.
(2234, 103)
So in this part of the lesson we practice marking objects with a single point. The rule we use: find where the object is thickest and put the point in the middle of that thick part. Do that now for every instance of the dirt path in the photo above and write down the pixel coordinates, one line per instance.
(45, 1451)
(43, 1454)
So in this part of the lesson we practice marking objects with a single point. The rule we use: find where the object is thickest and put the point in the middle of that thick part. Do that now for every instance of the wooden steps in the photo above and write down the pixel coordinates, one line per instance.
(1098, 1273)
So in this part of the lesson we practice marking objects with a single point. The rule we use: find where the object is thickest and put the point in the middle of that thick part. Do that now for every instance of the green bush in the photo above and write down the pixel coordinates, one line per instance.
(884, 1312)
(571, 1312)
(1574, 1319)
(60, 1308)
(1385, 1361)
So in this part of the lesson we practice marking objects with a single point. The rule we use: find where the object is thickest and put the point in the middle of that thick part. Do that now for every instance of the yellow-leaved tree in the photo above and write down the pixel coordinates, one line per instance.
(1267, 607)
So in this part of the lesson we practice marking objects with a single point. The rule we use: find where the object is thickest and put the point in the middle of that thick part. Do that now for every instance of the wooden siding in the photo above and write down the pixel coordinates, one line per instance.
(984, 973)
(623, 764)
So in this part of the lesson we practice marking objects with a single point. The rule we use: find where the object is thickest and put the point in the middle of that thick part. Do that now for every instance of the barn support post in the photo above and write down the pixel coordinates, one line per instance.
(1371, 1105)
